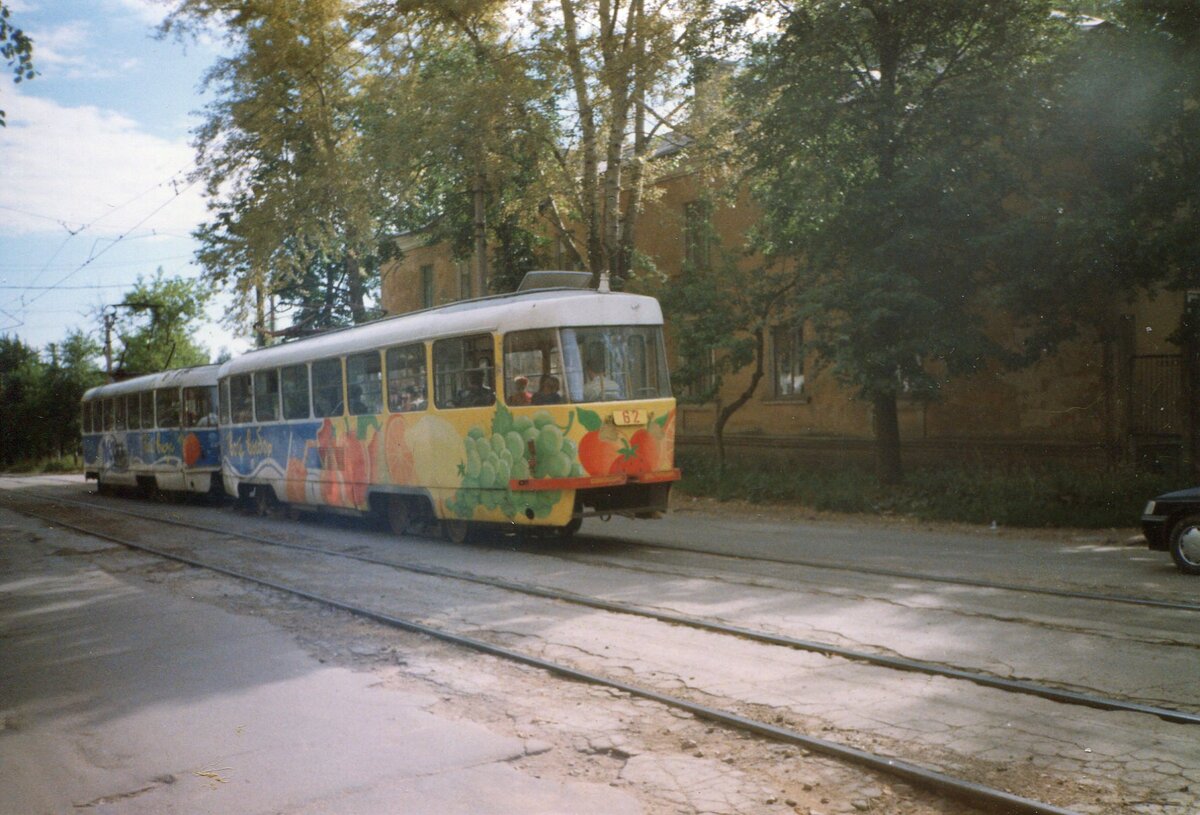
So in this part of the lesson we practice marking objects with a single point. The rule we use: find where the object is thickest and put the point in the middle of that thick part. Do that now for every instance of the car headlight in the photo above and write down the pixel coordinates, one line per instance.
(1149, 510)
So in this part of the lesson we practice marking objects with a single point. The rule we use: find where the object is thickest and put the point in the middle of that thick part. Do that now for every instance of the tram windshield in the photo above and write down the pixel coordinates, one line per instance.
(601, 364)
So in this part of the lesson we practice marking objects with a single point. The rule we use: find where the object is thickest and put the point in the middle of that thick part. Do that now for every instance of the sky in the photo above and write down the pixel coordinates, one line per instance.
(94, 166)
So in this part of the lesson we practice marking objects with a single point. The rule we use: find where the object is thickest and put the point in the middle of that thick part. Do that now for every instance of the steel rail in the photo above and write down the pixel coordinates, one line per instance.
(1150, 602)
(1054, 694)
(979, 795)
(1177, 605)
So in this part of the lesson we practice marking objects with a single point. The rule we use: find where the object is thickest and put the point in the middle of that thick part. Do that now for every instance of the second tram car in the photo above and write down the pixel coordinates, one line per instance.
(154, 432)
(535, 409)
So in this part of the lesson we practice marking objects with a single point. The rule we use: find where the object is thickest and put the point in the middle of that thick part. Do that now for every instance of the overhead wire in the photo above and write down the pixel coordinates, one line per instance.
(353, 36)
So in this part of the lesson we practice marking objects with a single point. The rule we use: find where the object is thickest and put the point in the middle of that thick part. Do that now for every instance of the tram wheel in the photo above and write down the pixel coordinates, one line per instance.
(265, 502)
(399, 514)
(1185, 545)
(457, 532)
(567, 532)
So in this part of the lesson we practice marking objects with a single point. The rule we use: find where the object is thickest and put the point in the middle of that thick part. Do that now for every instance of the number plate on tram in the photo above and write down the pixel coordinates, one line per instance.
(629, 417)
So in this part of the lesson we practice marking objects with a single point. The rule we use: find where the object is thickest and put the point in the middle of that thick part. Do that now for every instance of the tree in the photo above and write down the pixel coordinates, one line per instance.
(279, 152)
(70, 371)
(17, 49)
(720, 315)
(157, 331)
(874, 140)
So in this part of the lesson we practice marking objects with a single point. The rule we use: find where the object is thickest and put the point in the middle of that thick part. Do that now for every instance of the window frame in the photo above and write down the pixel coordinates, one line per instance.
(265, 395)
(515, 365)
(306, 388)
(395, 405)
(795, 347)
(340, 404)
(450, 380)
(238, 401)
(161, 415)
(368, 400)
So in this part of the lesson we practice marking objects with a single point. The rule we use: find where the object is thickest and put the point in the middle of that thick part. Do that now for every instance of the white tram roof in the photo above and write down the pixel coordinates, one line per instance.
(545, 308)
(198, 376)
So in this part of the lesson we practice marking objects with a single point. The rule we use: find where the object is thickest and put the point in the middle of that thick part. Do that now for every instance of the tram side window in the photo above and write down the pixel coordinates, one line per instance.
(364, 384)
(133, 411)
(147, 411)
(85, 416)
(533, 367)
(241, 399)
(109, 414)
(223, 388)
(464, 372)
(166, 405)
(406, 377)
(266, 396)
(199, 407)
(119, 413)
(327, 388)
(294, 382)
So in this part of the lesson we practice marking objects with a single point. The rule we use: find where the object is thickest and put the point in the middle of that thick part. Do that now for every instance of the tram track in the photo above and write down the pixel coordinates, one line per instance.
(1056, 694)
(1019, 588)
(984, 797)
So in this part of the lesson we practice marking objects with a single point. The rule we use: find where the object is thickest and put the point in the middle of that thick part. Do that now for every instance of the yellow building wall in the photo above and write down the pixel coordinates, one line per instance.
(1073, 397)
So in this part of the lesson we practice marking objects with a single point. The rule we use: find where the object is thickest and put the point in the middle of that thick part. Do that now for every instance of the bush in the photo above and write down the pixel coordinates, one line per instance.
(1030, 497)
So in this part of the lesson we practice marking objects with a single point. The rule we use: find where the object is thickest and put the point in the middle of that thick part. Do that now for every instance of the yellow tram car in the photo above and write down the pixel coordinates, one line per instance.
(532, 409)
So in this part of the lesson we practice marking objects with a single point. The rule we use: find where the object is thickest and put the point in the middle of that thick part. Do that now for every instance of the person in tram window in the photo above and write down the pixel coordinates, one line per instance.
(357, 406)
(520, 396)
(598, 386)
(547, 392)
(476, 393)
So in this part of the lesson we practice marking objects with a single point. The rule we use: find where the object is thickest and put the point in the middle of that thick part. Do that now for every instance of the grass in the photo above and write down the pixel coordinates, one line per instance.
(1044, 497)
(63, 464)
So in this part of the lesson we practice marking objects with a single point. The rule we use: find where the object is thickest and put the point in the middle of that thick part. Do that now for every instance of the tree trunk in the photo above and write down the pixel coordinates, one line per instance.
(725, 413)
(354, 281)
(479, 273)
(887, 439)
(589, 146)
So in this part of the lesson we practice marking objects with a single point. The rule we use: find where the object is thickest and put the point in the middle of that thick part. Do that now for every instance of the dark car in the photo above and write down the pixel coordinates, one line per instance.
(1171, 523)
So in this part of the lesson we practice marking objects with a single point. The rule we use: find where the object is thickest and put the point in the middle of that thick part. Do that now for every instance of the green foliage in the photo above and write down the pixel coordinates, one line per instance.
(39, 397)
(17, 49)
(875, 150)
(156, 331)
(1046, 497)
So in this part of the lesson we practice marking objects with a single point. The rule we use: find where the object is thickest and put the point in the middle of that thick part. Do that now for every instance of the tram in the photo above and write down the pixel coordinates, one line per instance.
(155, 433)
(534, 409)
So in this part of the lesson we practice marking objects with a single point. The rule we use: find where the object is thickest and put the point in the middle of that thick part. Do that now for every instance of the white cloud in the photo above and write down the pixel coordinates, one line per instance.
(61, 46)
(85, 165)
(150, 12)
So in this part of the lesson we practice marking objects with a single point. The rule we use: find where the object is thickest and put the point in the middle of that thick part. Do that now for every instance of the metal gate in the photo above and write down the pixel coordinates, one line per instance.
(1156, 396)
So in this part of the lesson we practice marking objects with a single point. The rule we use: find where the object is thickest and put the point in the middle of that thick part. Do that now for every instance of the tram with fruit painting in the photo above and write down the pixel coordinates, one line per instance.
(532, 409)
(154, 433)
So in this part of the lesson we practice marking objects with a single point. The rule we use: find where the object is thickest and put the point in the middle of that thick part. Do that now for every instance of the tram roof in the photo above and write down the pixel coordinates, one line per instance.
(543, 308)
(197, 376)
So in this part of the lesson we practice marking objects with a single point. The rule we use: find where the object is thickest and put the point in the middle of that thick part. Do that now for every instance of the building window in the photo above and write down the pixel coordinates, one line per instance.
(427, 286)
(702, 382)
(787, 351)
(697, 234)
